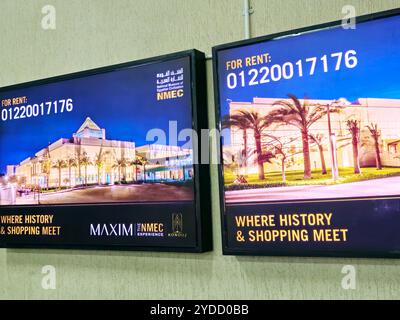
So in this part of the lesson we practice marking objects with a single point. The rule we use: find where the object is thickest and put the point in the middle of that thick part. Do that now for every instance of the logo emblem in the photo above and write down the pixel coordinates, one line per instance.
(177, 226)
(177, 222)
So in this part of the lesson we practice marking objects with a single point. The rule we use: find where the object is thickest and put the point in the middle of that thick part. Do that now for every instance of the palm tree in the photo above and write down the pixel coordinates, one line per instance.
(78, 157)
(318, 139)
(236, 158)
(302, 116)
(35, 160)
(233, 161)
(85, 162)
(99, 163)
(66, 181)
(71, 163)
(280, 150)
(354, 128)
(241, 123)
(253, 121)
(59, 164)
(145, 162)
(142, 161)
(46, 166)
(375, 134)
(280, 147)
(136, 162)
(120, 164)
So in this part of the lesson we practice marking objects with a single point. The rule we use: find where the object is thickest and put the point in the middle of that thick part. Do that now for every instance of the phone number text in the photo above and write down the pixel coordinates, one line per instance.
(37, 110)
(286, 71)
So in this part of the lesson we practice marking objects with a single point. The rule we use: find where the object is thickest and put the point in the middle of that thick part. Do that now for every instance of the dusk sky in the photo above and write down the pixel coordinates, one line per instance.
(122, 102)
(377, 44)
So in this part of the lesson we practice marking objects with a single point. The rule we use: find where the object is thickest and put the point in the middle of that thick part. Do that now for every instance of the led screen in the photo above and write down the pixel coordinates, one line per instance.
(311, 140)
(97, 140)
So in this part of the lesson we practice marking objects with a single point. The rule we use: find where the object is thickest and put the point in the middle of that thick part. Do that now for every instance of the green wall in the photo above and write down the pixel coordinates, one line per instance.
(93, 33)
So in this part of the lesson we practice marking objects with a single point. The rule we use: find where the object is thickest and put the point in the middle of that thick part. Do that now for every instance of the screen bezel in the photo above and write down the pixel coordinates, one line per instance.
(201, 200)
(275, 37)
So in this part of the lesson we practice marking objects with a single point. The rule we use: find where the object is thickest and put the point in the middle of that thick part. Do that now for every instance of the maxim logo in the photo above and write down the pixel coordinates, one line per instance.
(177, 226)
(111, 230)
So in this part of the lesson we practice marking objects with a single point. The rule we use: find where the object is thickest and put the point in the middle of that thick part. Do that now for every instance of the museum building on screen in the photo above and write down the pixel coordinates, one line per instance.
(367, 112)
(89, 158)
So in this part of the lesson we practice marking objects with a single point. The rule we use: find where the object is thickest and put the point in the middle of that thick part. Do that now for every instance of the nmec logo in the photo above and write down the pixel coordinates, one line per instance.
(149, 229)
(177, 226)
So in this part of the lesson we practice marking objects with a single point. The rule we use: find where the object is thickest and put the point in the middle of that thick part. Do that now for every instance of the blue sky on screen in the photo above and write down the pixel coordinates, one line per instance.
(123, 102)
(377, 44)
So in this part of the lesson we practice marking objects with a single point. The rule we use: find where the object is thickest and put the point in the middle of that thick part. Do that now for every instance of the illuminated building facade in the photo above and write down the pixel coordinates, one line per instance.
(166, 163)
(383, 112)
(89, 158)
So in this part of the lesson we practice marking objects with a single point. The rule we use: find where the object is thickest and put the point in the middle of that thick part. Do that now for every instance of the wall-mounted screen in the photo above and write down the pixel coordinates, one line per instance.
(96, 159)
(311, 140)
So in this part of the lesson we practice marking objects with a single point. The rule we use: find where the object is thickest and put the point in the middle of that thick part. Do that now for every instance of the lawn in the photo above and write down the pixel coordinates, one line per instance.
(295, 178)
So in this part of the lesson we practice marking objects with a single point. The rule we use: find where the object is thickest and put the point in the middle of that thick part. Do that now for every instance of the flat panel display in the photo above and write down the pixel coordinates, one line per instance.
(96, 158)
(311, 140)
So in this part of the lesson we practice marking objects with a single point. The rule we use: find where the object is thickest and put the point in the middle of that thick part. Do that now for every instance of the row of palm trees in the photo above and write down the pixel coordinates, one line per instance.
(302, 116)
(83, 161)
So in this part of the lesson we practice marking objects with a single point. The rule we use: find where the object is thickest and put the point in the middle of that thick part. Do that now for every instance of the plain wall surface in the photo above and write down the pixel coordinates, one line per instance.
(94, 33)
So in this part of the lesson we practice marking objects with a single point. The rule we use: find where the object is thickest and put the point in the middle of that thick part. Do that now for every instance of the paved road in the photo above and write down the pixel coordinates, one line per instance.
(129, 193)
(369, 188)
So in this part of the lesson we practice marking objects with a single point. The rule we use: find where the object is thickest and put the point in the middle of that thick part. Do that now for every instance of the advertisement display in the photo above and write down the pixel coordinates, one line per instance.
(106, 158)
(310, 144)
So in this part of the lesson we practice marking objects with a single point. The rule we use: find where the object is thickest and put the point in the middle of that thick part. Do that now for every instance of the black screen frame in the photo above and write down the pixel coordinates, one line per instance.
(202, 196)
(284, 253)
